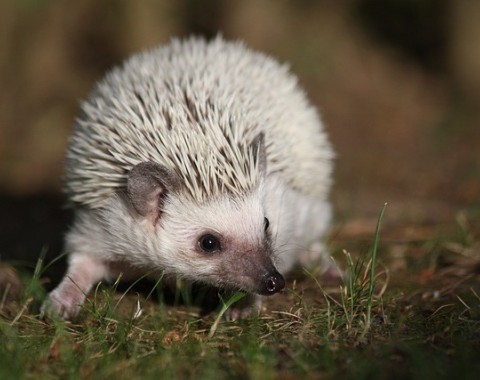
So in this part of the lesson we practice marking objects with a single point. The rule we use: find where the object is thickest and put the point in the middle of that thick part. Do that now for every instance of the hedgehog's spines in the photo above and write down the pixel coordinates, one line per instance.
(195, 108)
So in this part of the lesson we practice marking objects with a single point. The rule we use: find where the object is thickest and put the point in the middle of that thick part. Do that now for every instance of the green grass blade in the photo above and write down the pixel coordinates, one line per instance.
(374, 264)
(233, 299)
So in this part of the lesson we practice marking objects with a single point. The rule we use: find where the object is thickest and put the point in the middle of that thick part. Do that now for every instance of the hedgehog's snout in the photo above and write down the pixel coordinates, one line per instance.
(272, 283)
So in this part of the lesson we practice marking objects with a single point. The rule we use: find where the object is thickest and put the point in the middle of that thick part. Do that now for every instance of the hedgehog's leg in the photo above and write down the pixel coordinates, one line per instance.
(246, 307)
(317, 255)
(84, 271)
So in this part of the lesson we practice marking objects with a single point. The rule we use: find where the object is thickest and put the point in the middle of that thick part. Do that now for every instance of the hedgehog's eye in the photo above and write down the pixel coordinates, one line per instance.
(266, 223)
(209, 243)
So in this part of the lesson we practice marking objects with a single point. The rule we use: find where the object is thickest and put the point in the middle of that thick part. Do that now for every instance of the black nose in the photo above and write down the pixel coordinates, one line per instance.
(272, 283)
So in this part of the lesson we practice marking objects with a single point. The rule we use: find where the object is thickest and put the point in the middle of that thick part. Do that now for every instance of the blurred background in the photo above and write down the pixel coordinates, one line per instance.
(397, 83)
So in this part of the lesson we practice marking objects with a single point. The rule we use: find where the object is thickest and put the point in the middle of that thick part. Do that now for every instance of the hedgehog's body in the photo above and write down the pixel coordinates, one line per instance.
(201, 160)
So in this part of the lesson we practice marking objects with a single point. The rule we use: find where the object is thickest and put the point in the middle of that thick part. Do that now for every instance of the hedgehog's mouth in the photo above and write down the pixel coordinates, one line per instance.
(270, 283)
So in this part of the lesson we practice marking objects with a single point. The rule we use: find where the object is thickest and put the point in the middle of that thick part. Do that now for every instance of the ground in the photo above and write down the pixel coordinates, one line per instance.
(421, 321)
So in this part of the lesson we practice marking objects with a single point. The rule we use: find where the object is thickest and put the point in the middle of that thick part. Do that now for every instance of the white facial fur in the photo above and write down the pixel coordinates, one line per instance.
(172, 244)
(239, 224)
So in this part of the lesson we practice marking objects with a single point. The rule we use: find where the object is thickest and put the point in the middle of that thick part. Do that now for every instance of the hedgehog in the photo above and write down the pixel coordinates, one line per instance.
(199, 160)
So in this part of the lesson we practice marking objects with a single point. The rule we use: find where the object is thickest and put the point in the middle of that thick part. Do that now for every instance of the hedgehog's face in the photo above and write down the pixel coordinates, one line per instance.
(225, 242)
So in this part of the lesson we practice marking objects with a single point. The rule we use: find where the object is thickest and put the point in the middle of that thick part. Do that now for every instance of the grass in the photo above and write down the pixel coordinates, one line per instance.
(352, 313)
(372, 325)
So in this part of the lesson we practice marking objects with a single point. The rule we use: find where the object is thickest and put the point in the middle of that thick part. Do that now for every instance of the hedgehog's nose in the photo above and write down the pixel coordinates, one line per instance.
(272, 283)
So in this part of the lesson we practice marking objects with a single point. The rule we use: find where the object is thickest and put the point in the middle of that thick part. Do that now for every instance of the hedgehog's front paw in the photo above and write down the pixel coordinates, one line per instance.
(246, 307)
(64, 305)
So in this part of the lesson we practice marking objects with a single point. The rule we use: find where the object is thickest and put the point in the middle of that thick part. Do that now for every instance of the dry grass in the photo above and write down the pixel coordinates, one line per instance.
(424, 324)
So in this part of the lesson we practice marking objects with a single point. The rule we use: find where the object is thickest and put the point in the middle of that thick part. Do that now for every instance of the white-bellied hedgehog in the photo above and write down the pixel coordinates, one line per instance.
(202, 160)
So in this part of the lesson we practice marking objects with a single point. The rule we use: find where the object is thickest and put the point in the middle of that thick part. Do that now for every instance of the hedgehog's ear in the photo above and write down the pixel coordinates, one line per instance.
(148, 183)
(258, 146)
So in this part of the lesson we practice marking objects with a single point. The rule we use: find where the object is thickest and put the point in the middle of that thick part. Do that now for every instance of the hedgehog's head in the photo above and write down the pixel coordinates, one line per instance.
(224, 240)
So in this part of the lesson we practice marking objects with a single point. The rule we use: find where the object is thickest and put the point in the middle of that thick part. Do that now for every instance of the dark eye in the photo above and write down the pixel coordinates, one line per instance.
(209, 243)
(266, 223)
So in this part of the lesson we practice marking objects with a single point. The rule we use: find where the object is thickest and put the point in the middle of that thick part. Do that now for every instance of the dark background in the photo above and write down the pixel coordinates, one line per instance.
(396, 81)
